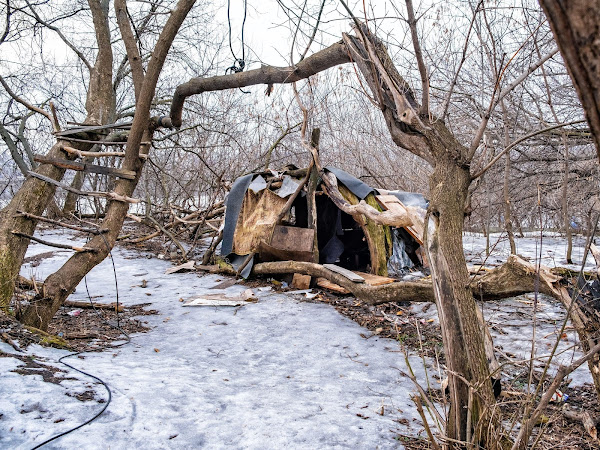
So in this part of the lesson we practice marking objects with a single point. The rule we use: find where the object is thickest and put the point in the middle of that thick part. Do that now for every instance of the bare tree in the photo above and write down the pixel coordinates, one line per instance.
(416, 130)
(35, 193)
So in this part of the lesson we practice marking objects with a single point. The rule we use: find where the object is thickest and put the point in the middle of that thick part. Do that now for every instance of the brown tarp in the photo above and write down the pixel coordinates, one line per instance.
(256, 220)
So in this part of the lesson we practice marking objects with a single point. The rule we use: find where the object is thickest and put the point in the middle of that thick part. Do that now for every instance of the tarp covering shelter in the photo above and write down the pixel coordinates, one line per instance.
(257, 225)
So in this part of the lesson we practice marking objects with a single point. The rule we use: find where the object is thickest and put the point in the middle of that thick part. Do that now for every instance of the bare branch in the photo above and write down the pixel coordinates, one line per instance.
(7, 24)
(484, 121)
(518, 141)
(133, 52)
(446, 103)
(23, 102)
(61, 35)
(330, 57)
(144, 103)
(562, 372)
(412, 23)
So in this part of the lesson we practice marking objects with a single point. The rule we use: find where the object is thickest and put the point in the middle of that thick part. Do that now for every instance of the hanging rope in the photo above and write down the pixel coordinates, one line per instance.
(239, 63)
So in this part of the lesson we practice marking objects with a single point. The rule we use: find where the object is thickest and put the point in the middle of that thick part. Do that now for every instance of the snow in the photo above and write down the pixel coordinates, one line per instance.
(512, 320)
(274, 374)
(551, 246)
(278, 373)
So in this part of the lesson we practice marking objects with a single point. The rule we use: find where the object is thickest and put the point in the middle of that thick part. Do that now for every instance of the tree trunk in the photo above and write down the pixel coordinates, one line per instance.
(457, 311)
(59, 285)
(35, 195)
(32, 197)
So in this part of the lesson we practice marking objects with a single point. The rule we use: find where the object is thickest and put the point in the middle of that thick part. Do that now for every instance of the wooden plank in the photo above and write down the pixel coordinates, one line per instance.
(374, 280)
(326, 284)
(345, 272)
(293, 238)
(300, 281)
(93, 128)
(63, 163)
(83, 167)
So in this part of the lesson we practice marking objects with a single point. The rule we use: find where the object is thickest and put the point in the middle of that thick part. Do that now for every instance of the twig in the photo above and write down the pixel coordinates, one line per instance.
(168, 233)
(563, 371)
(52, 244)
(417, 400)
(62, 224)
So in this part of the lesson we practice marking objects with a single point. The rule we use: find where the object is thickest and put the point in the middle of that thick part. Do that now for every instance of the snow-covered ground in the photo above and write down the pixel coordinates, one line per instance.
(551, 247)
(280, 373)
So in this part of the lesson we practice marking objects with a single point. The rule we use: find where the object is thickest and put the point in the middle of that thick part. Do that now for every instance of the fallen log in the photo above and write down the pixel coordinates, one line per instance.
(111, 306)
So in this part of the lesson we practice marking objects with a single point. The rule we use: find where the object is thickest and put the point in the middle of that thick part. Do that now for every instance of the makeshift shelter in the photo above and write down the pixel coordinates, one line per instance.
(262, 225)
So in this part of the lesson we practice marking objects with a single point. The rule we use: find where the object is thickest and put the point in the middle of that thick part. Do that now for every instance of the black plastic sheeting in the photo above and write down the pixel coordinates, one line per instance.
(233, 206)
(357, 187)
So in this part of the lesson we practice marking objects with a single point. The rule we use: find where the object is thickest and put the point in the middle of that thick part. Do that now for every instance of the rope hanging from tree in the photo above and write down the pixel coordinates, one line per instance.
(239, 63)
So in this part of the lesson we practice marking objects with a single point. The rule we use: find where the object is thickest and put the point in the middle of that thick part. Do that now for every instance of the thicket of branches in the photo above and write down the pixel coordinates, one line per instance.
(230, 133)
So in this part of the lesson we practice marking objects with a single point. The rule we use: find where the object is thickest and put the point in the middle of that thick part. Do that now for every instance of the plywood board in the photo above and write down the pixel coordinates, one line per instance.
(269, 253)
(375, 280)
(293, 238)
(345, 273)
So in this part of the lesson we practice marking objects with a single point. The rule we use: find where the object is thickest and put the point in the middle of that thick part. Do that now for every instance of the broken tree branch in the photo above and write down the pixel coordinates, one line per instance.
(318, 62)
(53, 244)
(111, 195)
(60, 224)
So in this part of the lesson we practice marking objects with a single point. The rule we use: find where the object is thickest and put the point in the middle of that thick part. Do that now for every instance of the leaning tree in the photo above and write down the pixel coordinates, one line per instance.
(20, 217)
